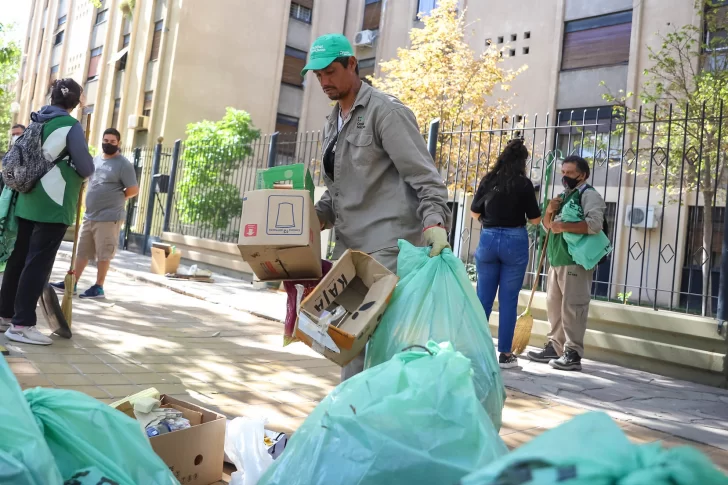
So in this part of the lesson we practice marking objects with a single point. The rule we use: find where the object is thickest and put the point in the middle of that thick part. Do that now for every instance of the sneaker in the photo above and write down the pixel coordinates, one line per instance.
(27, 335)
(507, 361)
(5, 323)
(61, 286)
(546, 355)
(569, 361)
(95, 291)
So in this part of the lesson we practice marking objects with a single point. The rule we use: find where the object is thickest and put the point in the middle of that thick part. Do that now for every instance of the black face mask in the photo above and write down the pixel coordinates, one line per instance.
(109, 149)
(569, 183)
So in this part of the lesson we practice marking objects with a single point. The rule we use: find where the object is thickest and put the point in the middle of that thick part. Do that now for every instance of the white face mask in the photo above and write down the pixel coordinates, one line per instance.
(13, 139)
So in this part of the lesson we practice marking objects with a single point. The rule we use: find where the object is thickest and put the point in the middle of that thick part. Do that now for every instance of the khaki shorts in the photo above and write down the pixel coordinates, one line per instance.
(98, 240)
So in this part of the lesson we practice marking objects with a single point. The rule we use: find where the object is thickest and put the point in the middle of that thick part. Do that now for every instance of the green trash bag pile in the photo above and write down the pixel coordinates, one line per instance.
(435, 300)
(586, 249)
(592, 450)
(414, 419)
(57, 437)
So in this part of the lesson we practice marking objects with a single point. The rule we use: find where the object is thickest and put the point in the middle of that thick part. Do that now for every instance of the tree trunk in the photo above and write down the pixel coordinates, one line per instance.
(706, 259)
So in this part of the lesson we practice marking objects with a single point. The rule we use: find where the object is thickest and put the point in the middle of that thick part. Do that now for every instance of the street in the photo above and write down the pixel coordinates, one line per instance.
(228, 360)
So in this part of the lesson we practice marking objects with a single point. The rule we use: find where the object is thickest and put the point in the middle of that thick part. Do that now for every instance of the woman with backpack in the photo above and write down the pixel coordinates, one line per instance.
(504, 201)
(45, 212)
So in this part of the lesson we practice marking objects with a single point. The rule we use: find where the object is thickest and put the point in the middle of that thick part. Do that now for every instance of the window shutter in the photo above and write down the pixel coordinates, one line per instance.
(601, 46)
(156, 41)
(305, 3)
(93, 66)
(372, 14)
(292, 68)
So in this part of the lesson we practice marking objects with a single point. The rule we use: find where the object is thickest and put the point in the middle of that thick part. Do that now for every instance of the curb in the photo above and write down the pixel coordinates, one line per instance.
(66, 256)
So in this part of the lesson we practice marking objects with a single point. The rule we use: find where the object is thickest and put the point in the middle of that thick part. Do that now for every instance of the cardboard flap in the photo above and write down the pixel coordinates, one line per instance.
(317, 333)
(368, 268)
(331, 286)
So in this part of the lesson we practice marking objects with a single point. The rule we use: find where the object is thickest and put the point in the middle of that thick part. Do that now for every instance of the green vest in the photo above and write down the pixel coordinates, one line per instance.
(558, 250)
(55, 197)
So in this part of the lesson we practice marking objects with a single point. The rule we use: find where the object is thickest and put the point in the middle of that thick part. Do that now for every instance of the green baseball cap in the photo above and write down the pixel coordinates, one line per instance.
(325, 50)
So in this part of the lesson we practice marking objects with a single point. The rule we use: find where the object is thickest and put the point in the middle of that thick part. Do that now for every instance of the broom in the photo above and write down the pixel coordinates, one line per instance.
(524, 324)
(69, 282)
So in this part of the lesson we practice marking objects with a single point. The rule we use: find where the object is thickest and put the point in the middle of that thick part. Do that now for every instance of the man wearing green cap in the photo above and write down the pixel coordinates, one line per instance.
(382, 182)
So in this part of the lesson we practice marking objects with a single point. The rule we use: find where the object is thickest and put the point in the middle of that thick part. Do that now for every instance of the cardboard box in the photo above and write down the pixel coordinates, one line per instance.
(280, 236)
(363, 287)
(164, 261)
(294, 176)
(194, 455)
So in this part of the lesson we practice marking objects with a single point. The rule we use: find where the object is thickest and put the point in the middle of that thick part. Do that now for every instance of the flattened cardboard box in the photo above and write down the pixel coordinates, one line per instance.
(363, 287)
(194, 455)
(279, 235)
(164, 260)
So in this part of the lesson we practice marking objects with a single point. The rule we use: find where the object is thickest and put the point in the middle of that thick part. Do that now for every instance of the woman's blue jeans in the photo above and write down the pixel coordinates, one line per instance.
(501, 260)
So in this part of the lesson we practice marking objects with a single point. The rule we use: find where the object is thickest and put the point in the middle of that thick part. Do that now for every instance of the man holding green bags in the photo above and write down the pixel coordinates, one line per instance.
(569, 284)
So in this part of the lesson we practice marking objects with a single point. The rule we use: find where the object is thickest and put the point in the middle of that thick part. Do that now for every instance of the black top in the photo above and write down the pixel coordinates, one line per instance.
(498, 208)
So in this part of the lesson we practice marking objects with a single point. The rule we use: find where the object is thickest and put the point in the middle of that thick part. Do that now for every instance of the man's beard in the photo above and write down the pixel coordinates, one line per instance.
(335, 94)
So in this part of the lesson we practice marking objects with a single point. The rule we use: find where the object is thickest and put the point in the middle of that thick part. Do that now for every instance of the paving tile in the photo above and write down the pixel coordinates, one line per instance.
(122, 391)
(23, 368)
(514, 440)
(92, 391)
(29, 380)
(82, 359)
(110, 379)
(145, 378)
(99, 368)
(129, 368)
(63, 380)
(49, 358)
(56, 368)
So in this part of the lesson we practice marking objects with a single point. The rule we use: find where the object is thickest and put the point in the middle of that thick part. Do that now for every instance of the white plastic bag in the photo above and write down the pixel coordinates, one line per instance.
(245, 446)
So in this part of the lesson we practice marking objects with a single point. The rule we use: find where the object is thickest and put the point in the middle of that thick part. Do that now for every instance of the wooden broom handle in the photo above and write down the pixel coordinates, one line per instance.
(540, 267)
(78, 223)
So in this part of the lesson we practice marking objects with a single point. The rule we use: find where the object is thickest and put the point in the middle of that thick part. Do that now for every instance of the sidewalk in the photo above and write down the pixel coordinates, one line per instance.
(680, 408)
(231, 361)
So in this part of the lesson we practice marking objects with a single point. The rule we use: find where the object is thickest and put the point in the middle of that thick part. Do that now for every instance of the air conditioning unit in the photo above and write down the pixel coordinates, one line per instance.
(640, 217)
(365, 38)
(137, 122)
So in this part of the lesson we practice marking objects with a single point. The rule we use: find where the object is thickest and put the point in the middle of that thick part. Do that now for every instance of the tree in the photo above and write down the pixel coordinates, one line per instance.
(439, 76)
(9, 67)
(685, 99)
(213, 152)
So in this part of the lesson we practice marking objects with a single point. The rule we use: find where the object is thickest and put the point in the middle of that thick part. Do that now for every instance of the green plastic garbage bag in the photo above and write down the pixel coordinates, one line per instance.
(592, 450)
(83, 432)
(435, 300)
(586, 249)
(412, 420)
(8, 223)
(24, 455)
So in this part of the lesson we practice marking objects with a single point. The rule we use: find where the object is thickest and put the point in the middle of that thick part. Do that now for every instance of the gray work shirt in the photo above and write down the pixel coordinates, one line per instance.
(386, 186)
(105, 197)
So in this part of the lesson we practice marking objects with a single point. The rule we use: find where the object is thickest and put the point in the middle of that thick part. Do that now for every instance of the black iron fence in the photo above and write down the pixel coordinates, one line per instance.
(662, 174)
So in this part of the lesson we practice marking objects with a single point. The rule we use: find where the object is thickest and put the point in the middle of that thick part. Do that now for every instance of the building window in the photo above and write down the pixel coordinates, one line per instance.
(59, 37)
(425, 7)
(526, 50)
(115, 114)
(86, 115)
(299, 12)
(511, 52)
(293, 63)
(597, 41)
(93, 64)
(366, 68)
(156, 40)
(514, 37)
(122, 62)
(500, 39)
(62, 20)
(147, 109)
(691, 287)
(102, 16)
(287, 126)
(125, 40)
(716, 34)
(54, 73)
(372, 15)
(527, 35)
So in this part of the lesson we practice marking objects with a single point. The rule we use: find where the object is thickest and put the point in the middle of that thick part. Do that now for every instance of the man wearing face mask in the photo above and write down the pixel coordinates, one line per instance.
(15, 133)
(569, 285)
(113, 183)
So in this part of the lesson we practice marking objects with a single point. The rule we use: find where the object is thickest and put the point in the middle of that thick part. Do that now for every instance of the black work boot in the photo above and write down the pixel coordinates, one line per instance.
(569, 361)
(546, 355)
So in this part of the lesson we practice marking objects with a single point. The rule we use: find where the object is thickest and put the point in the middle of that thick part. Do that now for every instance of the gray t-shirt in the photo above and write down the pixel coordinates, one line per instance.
(105, 197)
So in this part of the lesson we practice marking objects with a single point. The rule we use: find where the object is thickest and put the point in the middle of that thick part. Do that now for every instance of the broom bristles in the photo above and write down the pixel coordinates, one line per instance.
(522, 333)
(66, 305)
